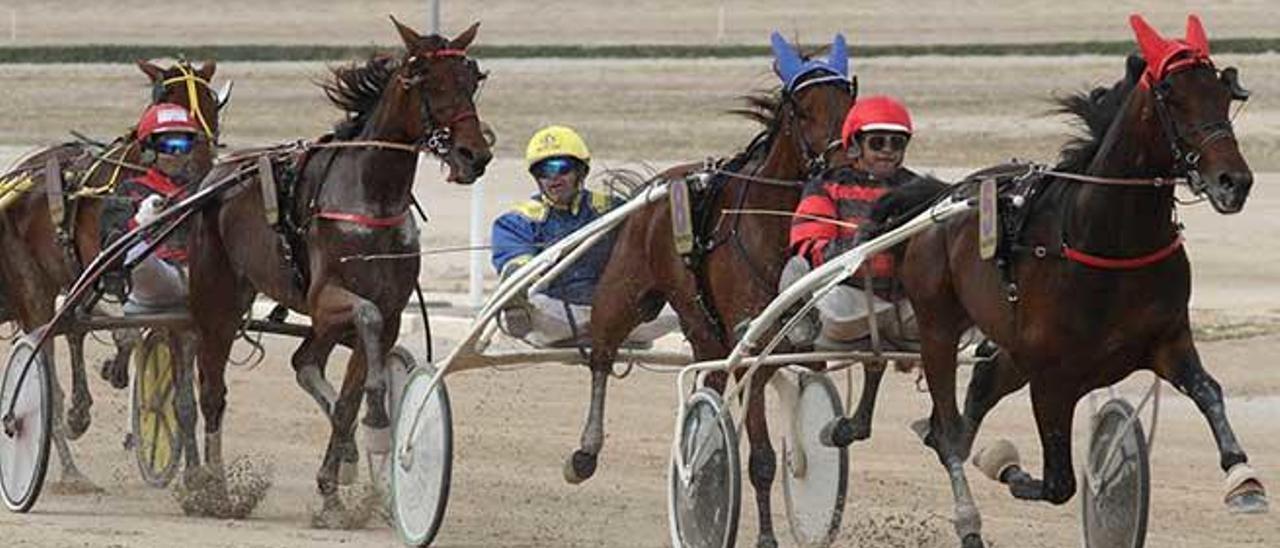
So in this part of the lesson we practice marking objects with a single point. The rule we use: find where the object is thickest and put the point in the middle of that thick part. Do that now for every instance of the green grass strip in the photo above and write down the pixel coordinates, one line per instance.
(125, 53)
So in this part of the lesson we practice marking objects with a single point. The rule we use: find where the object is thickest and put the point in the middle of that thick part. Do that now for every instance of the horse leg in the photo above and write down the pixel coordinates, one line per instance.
(1053, 412)
(845, 430)
(992, 380)
(945, 430)
(333, 311)
(308, 367)
(115, 369)
(762, 464)
(1179, 363)
(614, 314)
(73, 480)
(78, 417)
(185, 404)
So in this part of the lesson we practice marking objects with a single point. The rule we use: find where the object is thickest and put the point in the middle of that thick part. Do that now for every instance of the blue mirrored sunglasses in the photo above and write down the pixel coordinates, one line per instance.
(553, 167)
(180, 143)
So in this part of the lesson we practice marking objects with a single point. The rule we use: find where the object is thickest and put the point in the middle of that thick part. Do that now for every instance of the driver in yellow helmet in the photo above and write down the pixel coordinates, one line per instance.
(558, 160)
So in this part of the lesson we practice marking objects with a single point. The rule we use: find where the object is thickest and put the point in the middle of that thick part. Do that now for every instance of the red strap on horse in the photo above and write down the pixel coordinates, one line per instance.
(1135, 263)
(363, 220)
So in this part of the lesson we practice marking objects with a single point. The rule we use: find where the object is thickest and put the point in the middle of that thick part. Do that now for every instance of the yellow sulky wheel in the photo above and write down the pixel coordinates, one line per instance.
(155, 440)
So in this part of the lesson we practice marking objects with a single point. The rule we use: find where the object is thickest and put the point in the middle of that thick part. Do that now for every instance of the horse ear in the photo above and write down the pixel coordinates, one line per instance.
(1196, 36)
(206, 69)
(153, 72)
(839, 56)
(787, 61)
(463, 40)
(408, 35)
(1150, 42)
(1134, 67)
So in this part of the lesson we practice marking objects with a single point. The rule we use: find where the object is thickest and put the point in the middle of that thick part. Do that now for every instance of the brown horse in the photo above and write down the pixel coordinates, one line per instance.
(43, 257)
(350, 197)
(1098, 283)
(735, 273)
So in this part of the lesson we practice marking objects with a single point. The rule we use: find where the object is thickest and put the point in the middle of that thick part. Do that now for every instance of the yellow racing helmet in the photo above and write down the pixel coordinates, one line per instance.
(554, 141)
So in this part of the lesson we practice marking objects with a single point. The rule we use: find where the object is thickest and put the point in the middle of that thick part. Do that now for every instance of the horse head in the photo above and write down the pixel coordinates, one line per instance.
(442, 80)
(184, 84)
(1192, 99)
(816, 94)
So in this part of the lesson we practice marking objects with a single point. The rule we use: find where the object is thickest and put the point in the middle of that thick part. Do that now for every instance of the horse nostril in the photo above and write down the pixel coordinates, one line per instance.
(1236, 181)
(466, 154)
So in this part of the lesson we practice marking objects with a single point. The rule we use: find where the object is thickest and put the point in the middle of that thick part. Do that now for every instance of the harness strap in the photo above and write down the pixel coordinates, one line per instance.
(190, 79)
(362, 220)
(1107, 263)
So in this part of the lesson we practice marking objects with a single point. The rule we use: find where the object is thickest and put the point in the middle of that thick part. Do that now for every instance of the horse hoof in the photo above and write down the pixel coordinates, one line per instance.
(767, 541)
(1248, 502)
(580, 467)
(348, 473)
(972, 540)
(839, 433)
(996, 459)
(923, 430)
(78, 420)
(116, 374)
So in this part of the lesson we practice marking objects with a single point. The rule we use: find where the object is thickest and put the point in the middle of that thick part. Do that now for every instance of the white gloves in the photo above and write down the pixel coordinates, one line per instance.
(149, 209)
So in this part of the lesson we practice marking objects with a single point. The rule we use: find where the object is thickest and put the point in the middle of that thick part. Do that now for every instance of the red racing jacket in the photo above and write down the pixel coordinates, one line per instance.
(847, 195)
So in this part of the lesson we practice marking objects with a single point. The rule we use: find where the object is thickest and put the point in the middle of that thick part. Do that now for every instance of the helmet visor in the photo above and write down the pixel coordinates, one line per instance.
(174, 143)
(553, 167)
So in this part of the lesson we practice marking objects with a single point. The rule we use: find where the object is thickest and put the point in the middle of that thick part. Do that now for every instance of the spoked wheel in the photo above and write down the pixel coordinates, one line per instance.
(814, 477)
(1117, 488)
(156, 443)
(705, 495)
(24, 438)
(421, 458)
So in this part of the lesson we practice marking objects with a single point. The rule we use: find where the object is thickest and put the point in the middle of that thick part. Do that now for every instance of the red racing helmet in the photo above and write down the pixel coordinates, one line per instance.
(165, 118)
(875, 113)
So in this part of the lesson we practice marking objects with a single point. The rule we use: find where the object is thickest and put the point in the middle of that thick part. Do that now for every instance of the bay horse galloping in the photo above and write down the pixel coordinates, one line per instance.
(734, 272)
(1098, 282)
(350, 195)
(49, 233)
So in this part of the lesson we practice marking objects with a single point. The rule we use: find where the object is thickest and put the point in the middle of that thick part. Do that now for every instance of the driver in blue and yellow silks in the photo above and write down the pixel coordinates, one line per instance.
(559, 160)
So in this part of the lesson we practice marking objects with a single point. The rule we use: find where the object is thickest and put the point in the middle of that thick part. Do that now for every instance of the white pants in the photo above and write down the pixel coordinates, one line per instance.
(551, 323)
(156, 284)
(845, 312)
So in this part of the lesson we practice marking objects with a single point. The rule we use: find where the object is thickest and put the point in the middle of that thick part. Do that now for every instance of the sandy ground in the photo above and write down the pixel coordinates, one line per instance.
(513, 428)
(616, 21)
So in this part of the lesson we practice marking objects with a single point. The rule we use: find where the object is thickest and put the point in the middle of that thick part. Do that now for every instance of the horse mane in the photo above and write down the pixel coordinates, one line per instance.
(1094, 112)
(356, 88)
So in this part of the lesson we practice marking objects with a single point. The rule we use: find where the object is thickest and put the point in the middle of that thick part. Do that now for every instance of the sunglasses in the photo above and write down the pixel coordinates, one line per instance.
(175, 144)
(891, 143)
(553, 167)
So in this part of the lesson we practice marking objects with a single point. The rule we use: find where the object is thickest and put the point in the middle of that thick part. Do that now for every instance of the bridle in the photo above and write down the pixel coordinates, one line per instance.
(816, 161)
(188, 77)
(1186, 156)
(437, 137)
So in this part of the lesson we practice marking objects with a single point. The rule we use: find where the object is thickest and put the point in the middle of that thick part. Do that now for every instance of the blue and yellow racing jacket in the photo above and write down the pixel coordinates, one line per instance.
(533, 225)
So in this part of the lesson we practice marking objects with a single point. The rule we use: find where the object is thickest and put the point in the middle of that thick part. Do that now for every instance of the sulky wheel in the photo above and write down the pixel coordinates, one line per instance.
(814, 477)
(156, 442)
(1117, 489)
(24, 438)
(421, 458)
(704, 495)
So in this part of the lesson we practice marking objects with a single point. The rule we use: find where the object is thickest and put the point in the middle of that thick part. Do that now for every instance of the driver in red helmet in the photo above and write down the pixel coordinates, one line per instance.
(875, 135)
(168, 137)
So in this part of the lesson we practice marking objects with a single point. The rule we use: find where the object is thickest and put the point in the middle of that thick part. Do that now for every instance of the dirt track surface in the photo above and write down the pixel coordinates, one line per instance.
(513, 429)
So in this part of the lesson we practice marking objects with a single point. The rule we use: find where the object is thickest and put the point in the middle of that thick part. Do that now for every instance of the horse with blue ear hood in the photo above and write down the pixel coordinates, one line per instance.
(730, 274)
